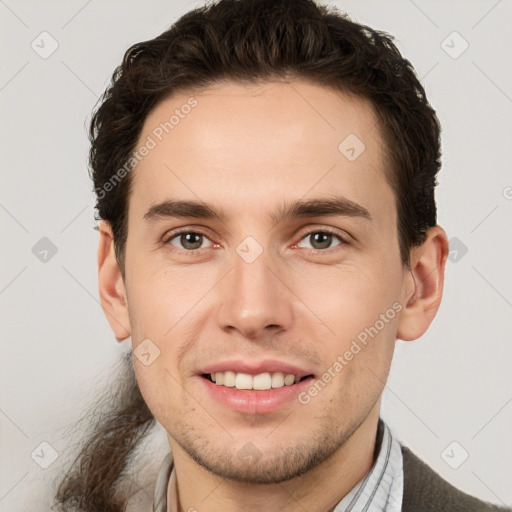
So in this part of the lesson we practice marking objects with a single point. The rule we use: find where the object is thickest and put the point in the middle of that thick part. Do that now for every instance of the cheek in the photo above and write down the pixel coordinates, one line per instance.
(160, 385)
(149, 381)
(360, 310)
(348, 299)
(162, 299)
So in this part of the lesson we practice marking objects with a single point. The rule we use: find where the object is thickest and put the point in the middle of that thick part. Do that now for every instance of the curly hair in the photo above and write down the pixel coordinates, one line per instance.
(252, 41)
(245, 41)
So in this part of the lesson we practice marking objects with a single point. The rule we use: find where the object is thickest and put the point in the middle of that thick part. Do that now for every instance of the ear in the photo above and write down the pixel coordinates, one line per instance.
(111, 285)
(423, 285)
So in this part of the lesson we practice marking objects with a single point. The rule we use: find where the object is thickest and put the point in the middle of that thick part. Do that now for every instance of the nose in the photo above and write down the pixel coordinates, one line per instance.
(255, 300)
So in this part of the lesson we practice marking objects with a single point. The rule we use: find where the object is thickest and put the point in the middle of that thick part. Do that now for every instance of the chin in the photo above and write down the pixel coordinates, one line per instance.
(270, 465)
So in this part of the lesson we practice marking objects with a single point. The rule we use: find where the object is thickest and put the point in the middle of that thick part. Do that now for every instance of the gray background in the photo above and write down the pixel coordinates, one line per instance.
(453, 385)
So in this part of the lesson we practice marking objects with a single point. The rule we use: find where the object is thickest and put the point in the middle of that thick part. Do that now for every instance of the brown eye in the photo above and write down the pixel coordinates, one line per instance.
(188, 240)
(320, 240)
(191, 241)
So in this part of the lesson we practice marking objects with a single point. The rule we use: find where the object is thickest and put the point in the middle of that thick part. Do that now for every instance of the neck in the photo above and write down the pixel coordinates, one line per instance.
(318, 490)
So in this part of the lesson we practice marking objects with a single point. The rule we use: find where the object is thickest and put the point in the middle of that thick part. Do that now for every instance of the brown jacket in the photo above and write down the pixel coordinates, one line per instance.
(426, 491)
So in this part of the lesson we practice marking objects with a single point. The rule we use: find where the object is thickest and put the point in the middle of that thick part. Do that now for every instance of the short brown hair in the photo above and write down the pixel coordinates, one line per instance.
(246, 41)
(257, 40)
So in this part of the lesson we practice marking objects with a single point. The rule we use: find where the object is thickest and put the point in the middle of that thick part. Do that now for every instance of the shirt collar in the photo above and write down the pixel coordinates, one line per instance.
(381, 488)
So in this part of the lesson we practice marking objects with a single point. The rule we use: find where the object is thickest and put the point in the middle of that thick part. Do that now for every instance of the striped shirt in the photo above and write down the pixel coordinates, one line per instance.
(380, 490)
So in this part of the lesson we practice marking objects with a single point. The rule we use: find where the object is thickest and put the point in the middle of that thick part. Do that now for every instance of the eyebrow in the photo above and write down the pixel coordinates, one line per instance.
(339, 206)
(335, 205)
(181, 209)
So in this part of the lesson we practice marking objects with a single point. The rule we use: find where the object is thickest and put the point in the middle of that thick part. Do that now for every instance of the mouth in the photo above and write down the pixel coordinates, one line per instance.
(259, 382)
(255, 387)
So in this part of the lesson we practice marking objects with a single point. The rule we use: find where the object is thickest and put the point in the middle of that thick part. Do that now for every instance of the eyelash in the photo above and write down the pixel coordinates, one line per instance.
(329, 231)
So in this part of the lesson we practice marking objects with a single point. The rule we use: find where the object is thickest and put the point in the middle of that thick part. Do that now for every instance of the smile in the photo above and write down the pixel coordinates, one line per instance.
(260, 382)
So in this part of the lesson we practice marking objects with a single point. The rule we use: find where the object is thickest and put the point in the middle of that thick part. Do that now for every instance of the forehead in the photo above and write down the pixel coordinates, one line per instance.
(246, 147)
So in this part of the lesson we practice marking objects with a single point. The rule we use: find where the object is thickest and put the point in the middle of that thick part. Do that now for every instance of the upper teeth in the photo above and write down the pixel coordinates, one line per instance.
(259, 382)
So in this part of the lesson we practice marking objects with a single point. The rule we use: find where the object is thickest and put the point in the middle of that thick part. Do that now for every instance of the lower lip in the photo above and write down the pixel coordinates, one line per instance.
(255, 402)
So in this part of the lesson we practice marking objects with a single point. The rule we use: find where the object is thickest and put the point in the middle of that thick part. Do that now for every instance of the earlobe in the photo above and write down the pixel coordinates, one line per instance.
(111, 286)
(423, 285)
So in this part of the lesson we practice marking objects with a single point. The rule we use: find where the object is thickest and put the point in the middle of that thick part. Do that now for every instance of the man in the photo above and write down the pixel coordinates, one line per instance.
(265, 174)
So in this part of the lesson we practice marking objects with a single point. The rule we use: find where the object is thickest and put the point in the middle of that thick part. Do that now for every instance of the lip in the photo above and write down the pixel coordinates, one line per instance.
(255, 402)
(256, 367)
(251, 401)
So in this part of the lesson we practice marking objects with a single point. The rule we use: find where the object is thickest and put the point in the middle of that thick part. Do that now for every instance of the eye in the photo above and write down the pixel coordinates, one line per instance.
(320, 240)
(188, 240)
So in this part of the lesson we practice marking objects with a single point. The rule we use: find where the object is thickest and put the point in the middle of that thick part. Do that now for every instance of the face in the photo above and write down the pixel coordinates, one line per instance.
(263, 249)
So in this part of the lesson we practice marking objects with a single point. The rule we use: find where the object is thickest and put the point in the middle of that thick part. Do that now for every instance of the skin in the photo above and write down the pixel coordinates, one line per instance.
(247, 150)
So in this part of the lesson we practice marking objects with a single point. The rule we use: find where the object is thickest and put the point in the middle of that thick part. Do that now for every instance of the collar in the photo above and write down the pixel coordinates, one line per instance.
(381, 488)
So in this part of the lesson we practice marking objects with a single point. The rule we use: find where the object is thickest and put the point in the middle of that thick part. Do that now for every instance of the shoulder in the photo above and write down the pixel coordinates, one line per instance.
(426, 491)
